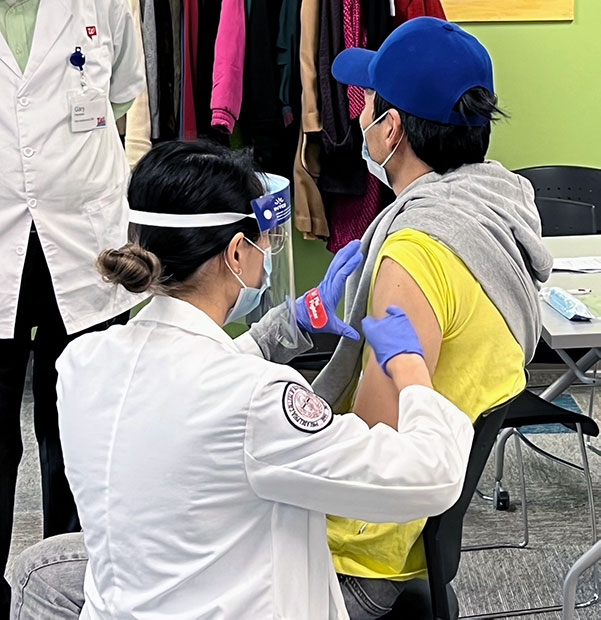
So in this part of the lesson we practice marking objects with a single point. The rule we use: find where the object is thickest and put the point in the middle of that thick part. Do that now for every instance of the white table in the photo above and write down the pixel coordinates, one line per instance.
(561, 334)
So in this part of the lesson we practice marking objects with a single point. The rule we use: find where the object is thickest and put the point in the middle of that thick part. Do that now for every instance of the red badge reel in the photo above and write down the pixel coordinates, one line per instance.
(317, 312)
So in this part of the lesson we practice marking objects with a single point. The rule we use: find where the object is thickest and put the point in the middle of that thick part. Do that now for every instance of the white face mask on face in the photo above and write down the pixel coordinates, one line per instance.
(249, 297)
(378, 170)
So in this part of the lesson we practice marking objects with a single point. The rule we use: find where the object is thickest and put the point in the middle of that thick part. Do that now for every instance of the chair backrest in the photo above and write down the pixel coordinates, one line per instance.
(442, 534)
(577, 183)
(561, 217)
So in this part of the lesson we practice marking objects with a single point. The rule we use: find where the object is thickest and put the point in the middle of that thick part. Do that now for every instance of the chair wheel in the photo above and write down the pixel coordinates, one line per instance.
(501, 500)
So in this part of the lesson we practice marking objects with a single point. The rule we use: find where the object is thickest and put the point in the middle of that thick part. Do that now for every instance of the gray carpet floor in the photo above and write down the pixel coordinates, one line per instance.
(499, 580)
(487, 580)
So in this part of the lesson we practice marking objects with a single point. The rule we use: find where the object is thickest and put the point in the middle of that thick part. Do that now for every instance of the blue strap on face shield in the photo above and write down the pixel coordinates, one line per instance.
(274, 208)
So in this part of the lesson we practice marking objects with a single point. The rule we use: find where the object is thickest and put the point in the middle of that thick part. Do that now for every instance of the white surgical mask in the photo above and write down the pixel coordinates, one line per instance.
(249, 297)
(378, 170)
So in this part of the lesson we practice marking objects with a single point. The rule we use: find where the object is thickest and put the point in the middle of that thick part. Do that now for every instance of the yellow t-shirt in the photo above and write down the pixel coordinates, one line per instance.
(480, 365)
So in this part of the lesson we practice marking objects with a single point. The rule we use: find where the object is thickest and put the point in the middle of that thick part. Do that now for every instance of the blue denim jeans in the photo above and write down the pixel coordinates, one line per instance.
(47, 582)
(47, 579)
(366, 599)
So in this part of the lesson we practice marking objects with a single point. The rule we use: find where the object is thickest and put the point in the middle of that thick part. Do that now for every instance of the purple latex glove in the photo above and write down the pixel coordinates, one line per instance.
(316, 309)
(390, 336)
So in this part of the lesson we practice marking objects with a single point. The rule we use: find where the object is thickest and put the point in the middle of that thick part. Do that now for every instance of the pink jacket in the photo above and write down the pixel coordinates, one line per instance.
(228, 68)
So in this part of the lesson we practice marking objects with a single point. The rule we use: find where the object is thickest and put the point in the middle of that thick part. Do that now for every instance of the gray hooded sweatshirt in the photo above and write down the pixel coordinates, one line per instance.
(486, 215)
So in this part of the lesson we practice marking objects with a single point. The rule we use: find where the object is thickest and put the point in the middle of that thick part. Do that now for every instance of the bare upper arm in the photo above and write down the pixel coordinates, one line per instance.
(377, 397)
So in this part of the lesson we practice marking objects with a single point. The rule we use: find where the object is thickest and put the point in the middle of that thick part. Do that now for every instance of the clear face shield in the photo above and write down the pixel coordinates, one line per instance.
(273, 211)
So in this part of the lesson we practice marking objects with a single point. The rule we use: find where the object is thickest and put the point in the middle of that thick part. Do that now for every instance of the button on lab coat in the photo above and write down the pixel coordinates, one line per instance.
(197, 495)
(72, 185)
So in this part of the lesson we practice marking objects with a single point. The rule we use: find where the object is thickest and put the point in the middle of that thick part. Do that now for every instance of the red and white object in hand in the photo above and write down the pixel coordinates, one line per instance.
(316, 309)
(317, 312)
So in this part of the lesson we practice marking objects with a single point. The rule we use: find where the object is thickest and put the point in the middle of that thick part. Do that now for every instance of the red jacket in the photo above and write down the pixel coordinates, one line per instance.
(408, 9)
(190, 58)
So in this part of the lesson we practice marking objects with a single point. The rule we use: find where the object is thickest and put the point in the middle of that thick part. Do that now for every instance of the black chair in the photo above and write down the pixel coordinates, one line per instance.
(530, 410)
(576, 183)
(573, 183)
(443, 534)
(435, 598)
(561, 217)
(557, 190)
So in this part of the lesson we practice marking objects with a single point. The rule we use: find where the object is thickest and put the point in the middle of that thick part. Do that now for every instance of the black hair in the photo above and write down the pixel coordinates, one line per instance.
(445, 147)
(182, 178)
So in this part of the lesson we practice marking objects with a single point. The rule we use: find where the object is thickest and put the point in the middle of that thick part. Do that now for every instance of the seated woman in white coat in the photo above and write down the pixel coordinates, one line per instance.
(201, 469)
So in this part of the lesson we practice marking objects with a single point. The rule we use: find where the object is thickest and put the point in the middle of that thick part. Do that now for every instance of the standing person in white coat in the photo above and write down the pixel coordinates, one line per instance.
(201, 470)
(67, 69)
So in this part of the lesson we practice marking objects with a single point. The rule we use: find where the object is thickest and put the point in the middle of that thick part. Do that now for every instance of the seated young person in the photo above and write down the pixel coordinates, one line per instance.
(459, 251)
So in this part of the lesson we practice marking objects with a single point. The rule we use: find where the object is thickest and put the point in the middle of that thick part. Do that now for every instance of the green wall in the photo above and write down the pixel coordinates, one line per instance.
(548, 77)
(311, 260)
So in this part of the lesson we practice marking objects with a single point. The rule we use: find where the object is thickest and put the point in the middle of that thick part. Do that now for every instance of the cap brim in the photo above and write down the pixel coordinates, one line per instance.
(351, 67)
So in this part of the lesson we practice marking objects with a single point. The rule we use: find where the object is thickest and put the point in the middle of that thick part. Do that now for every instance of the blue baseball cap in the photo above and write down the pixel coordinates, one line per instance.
(422, 68)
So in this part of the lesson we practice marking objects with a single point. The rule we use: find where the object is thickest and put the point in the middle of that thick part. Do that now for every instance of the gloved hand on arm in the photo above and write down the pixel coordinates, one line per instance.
(316, 309)
(393, 336)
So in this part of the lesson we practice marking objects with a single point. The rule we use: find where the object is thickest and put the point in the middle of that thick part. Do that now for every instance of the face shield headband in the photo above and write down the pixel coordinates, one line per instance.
(272, 211)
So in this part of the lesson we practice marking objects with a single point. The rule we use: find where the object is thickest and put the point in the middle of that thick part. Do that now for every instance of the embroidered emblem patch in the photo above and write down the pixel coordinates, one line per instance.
(305, 410)
(91, 31)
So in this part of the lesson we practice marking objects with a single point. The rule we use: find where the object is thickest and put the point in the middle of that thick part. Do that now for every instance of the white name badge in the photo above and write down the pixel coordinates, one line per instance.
(88, 110)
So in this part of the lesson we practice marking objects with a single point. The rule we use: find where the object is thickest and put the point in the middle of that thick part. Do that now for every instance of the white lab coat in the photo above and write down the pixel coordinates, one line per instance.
(72, 185)
(198, 497)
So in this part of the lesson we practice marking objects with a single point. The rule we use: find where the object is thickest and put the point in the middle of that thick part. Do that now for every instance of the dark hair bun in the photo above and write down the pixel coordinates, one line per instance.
(135, 268)
(189, 178)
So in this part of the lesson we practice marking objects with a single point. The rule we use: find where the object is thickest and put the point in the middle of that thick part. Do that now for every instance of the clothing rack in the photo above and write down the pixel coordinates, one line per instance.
(256, 73)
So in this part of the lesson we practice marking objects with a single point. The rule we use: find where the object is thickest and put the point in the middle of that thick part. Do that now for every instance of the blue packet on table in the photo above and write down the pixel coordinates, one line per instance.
(566, 304)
